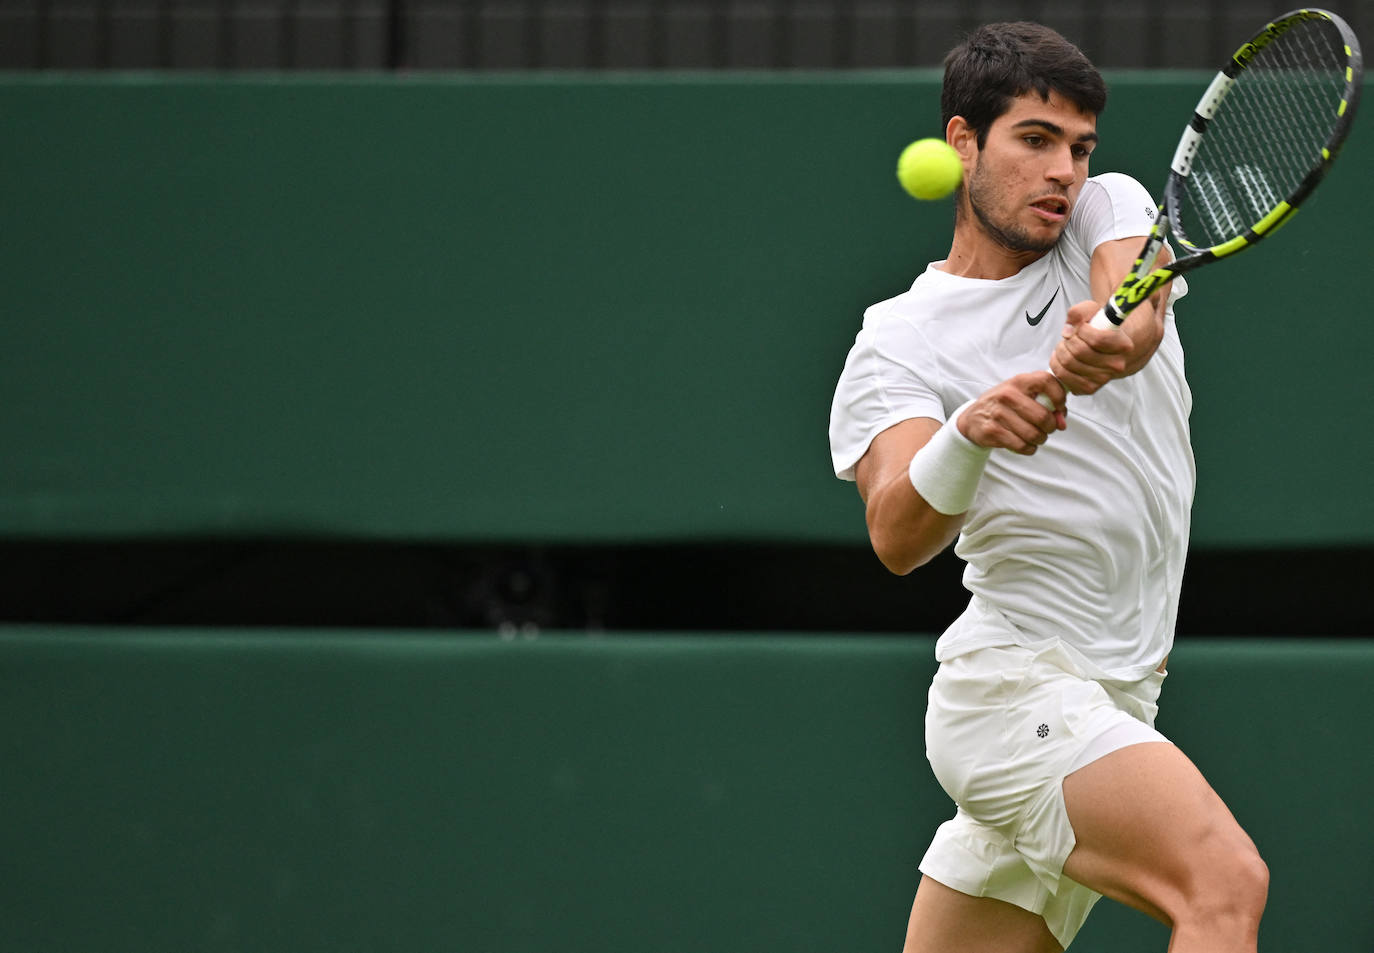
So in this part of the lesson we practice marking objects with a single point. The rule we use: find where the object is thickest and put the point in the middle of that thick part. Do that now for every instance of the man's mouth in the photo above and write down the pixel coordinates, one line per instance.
(1054, 208)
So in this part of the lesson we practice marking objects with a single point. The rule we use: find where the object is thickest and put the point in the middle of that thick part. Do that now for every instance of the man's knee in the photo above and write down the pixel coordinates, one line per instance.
(1250, 879)
(1233, 885)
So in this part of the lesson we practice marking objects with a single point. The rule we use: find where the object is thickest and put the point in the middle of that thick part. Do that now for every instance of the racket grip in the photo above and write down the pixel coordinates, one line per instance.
(1045, 402)
(1104, 321)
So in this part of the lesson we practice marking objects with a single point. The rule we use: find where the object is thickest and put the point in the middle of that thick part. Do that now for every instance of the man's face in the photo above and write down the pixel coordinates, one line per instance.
(1028, 173)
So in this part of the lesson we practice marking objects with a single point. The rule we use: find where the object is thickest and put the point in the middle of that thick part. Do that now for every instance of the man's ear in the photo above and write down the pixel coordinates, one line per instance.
(963, 138)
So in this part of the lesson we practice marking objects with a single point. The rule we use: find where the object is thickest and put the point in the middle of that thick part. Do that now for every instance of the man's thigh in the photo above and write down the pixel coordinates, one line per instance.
(1148, 826)
(943, 920)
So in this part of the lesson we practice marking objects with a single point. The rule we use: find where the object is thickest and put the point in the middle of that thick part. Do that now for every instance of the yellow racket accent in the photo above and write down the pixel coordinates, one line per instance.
(1230, 248)
(1274, 219)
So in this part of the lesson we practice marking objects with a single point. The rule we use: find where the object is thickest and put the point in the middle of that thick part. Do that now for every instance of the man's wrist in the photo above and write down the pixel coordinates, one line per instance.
(947, 470)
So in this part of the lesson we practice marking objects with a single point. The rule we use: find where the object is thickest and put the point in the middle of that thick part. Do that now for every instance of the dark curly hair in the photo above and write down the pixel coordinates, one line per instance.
(1000, 61)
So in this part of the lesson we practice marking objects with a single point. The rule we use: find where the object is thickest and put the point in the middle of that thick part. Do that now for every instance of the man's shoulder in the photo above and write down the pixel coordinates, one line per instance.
(1115, 181)
(1117, 190)
(1111, 205)
(912, 307)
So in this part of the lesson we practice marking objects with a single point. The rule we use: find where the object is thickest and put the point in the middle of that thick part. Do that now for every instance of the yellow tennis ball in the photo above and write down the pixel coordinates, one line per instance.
(929, 169)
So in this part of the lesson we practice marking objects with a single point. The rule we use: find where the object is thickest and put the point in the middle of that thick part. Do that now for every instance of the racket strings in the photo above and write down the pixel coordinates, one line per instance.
(1268, 135)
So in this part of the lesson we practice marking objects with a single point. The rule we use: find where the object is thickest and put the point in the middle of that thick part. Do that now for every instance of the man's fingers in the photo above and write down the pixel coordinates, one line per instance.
(1098, 346)
(1082, 368)
(1018, 415)
(1027, 411)
(1070, 379)
(1019, 435)
(1048, 391)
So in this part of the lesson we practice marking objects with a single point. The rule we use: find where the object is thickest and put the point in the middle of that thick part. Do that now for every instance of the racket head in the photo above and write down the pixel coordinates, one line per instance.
(1264, 135)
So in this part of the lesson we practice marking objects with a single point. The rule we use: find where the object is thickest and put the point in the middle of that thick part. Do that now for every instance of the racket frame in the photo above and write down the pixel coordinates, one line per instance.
(1144, 279)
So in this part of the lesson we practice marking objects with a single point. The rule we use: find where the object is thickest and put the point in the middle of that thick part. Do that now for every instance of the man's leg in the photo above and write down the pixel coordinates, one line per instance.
(943, 920)
(1150, 831)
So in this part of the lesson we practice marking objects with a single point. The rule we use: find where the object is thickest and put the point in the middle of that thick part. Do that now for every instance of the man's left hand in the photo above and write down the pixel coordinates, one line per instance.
(1088, 357)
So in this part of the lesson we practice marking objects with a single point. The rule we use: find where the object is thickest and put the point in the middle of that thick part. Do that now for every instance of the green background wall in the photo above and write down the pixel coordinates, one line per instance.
(548, 308)
(563, 309)
(294, 792)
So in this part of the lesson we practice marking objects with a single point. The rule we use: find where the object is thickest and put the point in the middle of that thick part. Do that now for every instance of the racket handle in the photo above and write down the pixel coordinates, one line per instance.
(1045, 402)
(1105, 321)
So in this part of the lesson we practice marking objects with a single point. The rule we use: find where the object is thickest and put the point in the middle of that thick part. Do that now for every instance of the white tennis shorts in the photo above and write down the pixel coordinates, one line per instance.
(1004, 727)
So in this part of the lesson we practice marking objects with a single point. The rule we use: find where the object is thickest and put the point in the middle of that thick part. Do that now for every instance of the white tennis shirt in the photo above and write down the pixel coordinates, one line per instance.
(1085, 540)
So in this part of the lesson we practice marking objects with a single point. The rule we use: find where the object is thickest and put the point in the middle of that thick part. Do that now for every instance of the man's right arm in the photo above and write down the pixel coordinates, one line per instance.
(906, 530)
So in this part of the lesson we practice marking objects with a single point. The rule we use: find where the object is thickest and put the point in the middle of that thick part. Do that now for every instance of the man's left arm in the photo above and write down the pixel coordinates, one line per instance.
(1088, 357)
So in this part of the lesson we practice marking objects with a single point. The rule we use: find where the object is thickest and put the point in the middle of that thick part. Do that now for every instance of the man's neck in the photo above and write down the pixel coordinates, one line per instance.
(976, 254)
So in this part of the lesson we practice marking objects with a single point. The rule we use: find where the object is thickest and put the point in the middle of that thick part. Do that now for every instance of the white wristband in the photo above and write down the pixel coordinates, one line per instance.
(947, 469)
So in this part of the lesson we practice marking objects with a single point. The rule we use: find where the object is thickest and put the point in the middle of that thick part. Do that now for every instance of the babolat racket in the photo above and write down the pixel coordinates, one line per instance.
(1263, 136)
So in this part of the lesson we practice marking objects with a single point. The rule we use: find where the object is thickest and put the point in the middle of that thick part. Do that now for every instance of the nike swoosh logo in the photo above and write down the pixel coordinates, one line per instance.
(1039, 317)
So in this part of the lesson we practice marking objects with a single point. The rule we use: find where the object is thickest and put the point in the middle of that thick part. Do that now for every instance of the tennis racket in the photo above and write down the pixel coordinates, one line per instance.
(1262, 138)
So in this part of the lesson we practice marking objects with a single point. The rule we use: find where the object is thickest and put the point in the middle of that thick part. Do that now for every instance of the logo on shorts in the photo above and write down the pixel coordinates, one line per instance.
(1043, 731)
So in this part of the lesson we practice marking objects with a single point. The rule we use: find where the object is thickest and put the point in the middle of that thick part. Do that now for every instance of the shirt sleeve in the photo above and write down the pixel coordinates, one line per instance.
(1111, 206)
(889, 376)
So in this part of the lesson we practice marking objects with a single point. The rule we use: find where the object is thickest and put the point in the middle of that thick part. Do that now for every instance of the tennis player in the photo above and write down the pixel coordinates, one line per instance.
(1073, 524)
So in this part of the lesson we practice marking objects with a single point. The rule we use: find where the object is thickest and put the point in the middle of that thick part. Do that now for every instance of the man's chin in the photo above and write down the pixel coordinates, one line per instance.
(1039, 238)
(1042, 236)
(1030, 241)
